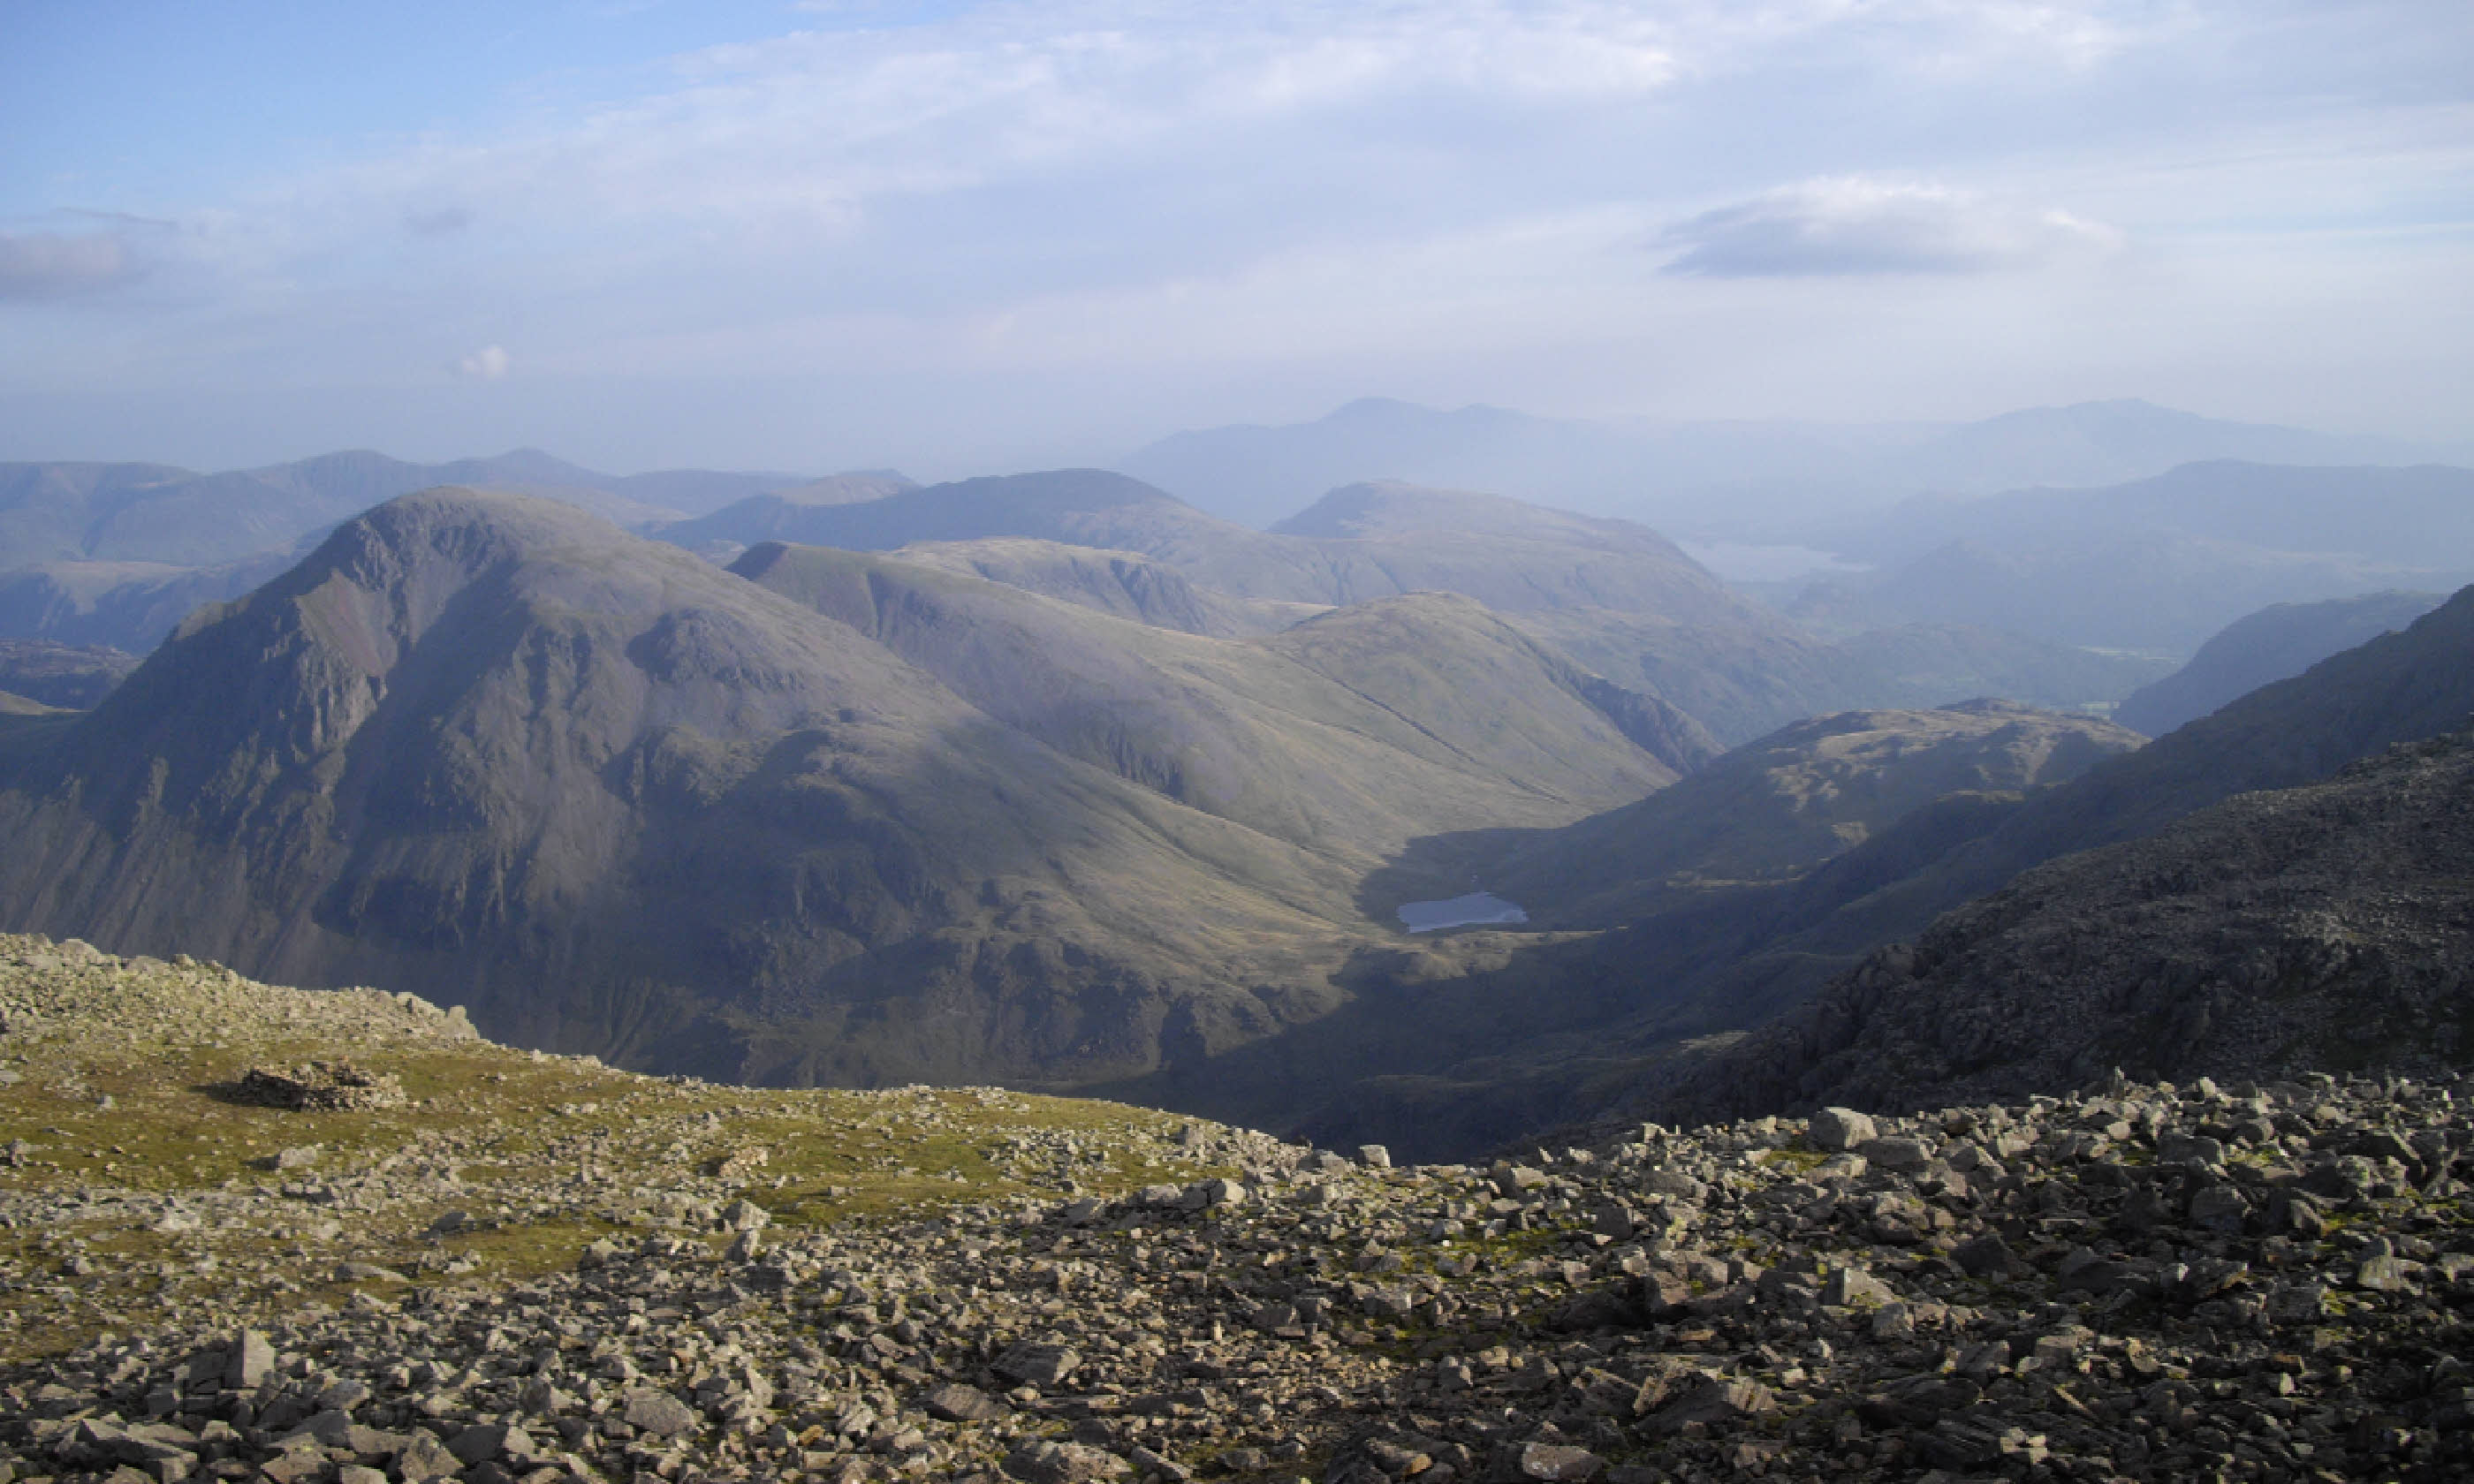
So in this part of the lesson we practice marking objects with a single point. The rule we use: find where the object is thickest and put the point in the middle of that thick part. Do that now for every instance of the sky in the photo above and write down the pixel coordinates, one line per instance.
(961, 238)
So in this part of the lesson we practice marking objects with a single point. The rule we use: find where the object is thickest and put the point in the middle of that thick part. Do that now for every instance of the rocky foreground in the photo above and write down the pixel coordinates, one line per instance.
(483, 1264)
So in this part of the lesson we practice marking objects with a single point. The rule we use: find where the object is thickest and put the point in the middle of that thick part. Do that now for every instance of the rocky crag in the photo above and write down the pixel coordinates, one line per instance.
(544, 1269)
(2329, 926)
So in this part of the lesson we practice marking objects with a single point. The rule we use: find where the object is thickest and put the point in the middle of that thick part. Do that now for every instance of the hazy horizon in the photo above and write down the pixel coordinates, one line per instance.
(958, 238)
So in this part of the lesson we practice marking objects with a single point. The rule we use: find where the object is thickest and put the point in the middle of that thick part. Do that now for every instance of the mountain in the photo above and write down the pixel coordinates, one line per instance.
(1349, 734)
(2091, 444)
(1121, 584)
(615, 798)
(157, 513)
(2157, 564)
(2156, 592)
(1366, 543)
(1523, 1033)
(1623, 601)
(1762, 480)
(912, 825)
(1779, 807)
(1647, 927)
(2421, 516)
(1744, 680)
(62, 675)
(2321, 928)
(2278, 641)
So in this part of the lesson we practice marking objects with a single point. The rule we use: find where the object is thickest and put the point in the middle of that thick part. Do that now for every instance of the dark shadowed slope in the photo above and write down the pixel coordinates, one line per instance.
(1455, 1043)
(617, 798)
(1626, 1001)
(2272, 644)
(2324, 927)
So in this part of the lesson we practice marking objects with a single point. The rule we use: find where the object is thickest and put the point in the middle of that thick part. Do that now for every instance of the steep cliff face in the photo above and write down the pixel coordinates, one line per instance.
(618, 800)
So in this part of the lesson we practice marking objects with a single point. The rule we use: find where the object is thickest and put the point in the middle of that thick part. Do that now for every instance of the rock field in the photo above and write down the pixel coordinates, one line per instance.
(537, 1268)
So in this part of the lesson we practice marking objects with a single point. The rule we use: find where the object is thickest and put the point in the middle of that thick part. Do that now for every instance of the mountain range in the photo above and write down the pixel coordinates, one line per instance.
(1056, 780)
(2158, 565)
(617, 799)
(1743, 480)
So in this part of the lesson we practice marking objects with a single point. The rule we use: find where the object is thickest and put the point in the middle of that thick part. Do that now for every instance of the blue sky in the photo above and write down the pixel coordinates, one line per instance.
(957, 237)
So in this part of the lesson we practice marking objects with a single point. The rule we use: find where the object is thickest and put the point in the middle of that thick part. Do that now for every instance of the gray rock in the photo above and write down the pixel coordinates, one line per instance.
(1375, 1157)
(954, 1402)
(1853, 1287)
(2173, 1147)
(249, 1362)
(1898, 1152)
(424, 1457)
(657, 1412)
(1839, 1128)
(1715, 1403)
(1062, 1462)
(485, 1440)
(1557, 1461)
(1037, 1363)
(1985, 1256)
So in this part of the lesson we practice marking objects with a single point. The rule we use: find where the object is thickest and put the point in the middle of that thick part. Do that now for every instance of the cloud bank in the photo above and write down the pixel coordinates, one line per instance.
(1852, 225)
(48, 265)
(490, 363)
(1061, 228)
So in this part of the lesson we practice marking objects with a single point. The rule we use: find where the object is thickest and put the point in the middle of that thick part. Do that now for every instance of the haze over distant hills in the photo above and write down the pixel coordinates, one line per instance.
(1781, 476)
(2158, 565)
(154, 513)
(1617, 596)
(2274, 643)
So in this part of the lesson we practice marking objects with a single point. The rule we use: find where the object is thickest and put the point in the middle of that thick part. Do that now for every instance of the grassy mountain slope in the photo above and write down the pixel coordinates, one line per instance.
(1121, 584)
(616, 798)
(1350, 735)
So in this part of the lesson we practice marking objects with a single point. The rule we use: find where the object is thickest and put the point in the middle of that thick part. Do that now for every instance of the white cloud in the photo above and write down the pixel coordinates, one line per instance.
(490, 363)
(48, 265)
(1860, 225)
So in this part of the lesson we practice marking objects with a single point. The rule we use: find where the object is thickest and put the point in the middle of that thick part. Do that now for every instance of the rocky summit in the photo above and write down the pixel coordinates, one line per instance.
(538, 1268)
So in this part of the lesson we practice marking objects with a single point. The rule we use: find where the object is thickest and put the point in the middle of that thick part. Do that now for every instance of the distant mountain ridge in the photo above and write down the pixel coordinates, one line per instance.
(1664, 471)
(152, 513)
(1623, 600)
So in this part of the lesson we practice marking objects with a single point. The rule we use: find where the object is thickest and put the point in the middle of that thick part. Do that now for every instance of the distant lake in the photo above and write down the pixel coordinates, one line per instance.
(1737, 562)
(1478, 908)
